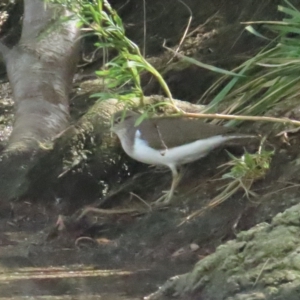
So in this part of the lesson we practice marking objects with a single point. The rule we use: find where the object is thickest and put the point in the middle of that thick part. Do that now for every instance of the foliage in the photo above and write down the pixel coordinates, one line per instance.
(243, 173)
(249, 166)
(98, 18)
(269, 77)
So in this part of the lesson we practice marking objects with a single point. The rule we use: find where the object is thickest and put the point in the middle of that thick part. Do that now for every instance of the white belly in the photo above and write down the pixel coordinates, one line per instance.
(174, 156)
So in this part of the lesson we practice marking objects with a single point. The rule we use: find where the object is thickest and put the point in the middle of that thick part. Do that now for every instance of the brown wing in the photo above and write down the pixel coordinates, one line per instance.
(169, 132)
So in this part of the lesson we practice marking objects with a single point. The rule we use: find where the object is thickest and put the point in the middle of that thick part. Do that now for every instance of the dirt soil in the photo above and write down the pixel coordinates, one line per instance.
(127, 256)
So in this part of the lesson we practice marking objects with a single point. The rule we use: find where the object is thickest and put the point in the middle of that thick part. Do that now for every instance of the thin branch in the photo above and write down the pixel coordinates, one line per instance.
(109, 211)
(261, 271)
(141, 199)
(185, 31)
(243, 118)
(145, 27)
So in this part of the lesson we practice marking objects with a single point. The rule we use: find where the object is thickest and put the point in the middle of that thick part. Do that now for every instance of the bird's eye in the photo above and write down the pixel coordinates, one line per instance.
(118, 120)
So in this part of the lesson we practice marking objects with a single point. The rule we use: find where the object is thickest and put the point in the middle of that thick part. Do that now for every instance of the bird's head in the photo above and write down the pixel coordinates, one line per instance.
(121, 120)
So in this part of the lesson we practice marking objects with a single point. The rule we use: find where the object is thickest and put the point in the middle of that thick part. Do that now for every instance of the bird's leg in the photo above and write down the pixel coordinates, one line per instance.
(166, 199)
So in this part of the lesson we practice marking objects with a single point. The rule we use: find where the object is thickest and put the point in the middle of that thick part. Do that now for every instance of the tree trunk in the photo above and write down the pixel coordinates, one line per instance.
(40, 69)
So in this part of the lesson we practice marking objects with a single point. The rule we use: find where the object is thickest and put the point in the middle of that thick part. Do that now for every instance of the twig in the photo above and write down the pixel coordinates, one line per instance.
(142, 200)
(145, 27)
(261, 271)
(242, 118)
(283, 189)
(84, 238)
(108, 211)
(185, 31)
